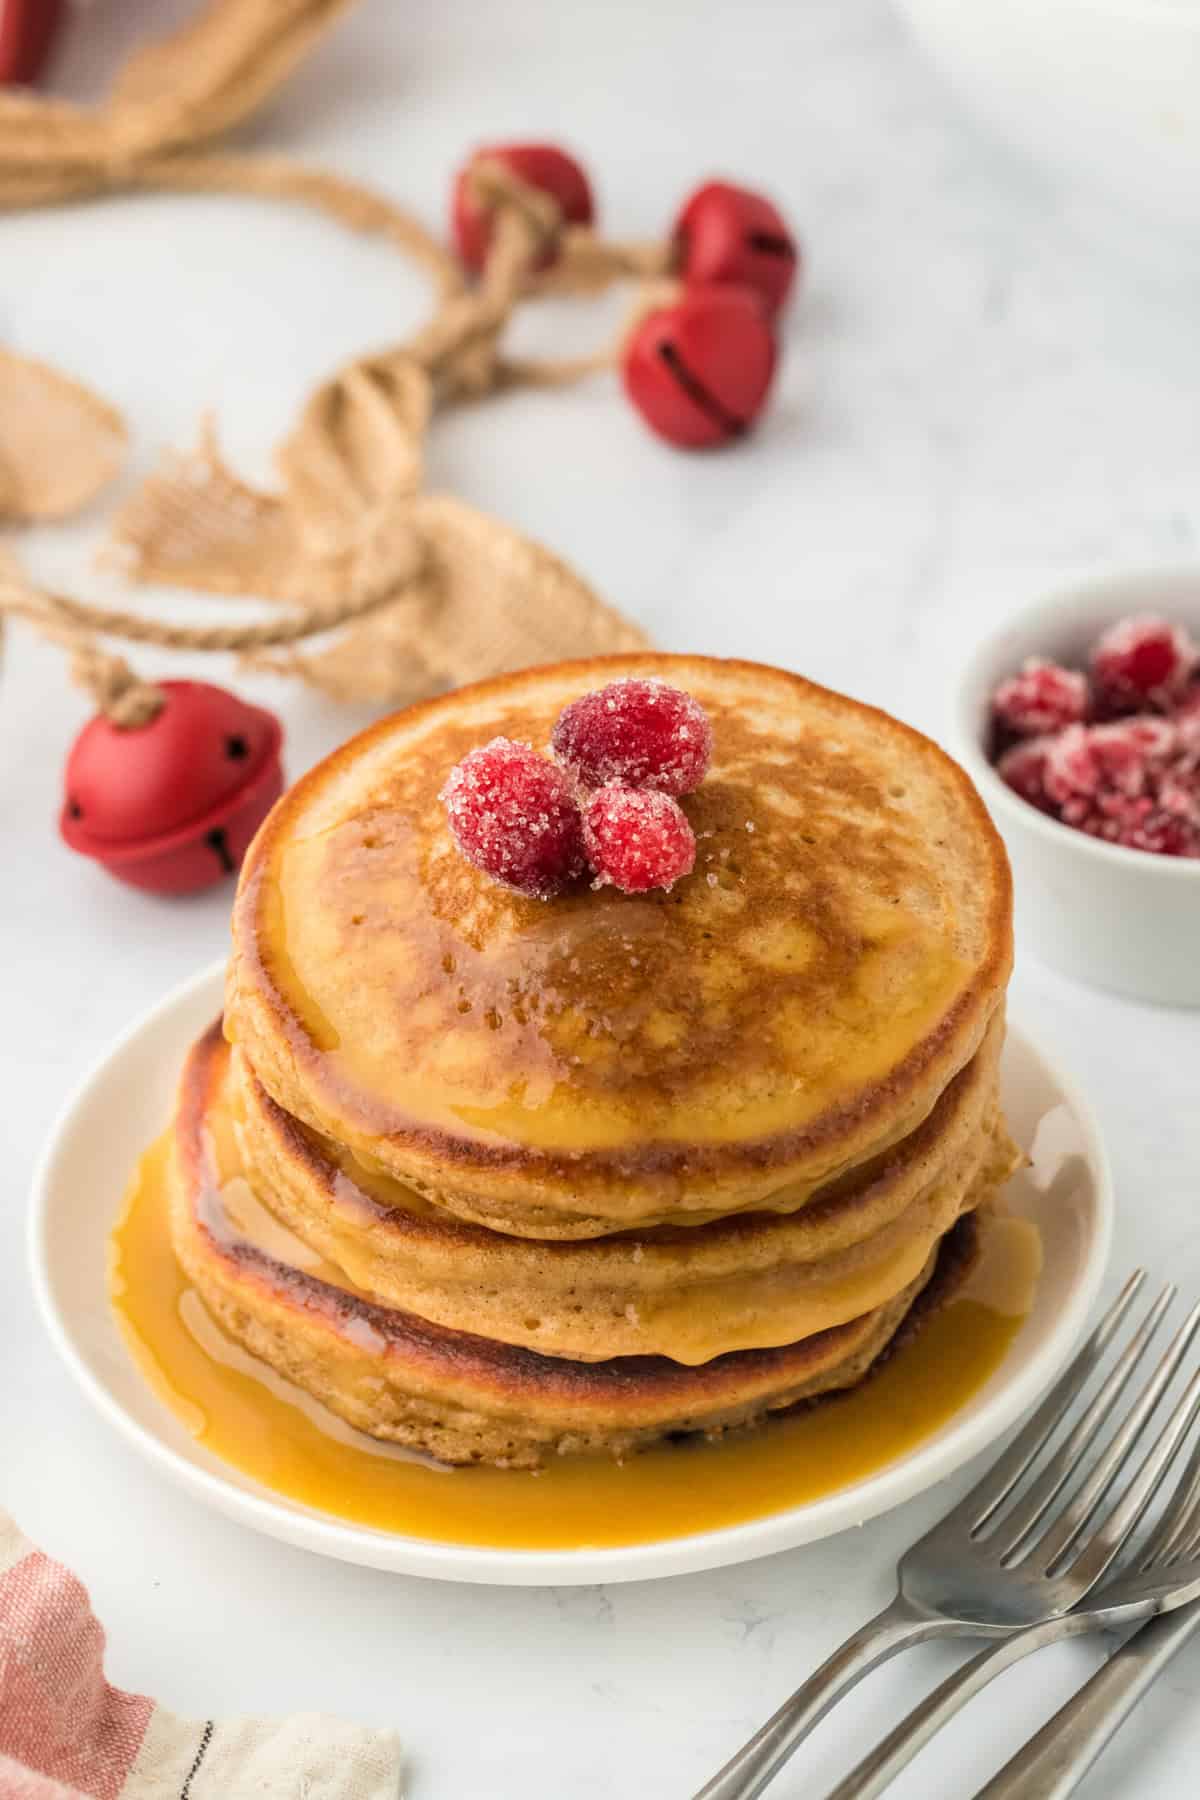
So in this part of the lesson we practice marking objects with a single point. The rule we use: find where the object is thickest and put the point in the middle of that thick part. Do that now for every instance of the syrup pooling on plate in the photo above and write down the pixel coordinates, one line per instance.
(249, 1417)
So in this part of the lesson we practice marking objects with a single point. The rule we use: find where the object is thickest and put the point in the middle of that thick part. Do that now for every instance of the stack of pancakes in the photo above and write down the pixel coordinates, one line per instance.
(496, 1178)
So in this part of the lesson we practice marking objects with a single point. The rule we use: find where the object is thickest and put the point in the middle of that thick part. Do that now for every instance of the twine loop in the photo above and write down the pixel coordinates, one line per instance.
(349, 535)
(124, 699)
(495, 187)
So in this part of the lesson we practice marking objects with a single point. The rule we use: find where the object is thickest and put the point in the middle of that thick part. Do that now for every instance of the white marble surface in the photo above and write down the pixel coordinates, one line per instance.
(971, 407)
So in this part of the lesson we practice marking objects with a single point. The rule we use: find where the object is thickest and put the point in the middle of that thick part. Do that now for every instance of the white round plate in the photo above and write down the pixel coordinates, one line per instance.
(124, 1104)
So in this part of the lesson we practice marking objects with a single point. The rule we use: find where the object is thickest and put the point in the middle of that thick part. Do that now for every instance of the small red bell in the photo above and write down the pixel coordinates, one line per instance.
(728, 234)
(699, 371)
(542, 166)
(172, 805)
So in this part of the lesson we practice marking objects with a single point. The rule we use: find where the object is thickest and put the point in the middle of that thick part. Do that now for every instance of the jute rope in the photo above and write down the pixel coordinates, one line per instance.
(117, 691)
(427, 587)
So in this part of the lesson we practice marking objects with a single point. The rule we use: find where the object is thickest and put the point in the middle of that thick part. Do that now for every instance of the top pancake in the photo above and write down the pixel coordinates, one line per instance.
(598, 1061)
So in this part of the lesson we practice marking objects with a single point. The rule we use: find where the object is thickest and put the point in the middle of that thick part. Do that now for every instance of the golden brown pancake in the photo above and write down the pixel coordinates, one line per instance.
(603, 1062)
(690, 1293)
(459, 1396)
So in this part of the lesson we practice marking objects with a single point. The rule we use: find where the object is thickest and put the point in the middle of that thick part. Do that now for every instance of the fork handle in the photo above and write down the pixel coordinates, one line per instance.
(1055, 1761)
(760, 1759)
(893, 1753)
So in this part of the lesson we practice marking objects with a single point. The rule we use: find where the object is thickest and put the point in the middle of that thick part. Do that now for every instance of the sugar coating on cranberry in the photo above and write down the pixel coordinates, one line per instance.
(512, 814)
(1117, 758)
(1023, 768)
(1134, 782)
(641, 733)
(637, 838)
(1042, 697)
(1141, 663)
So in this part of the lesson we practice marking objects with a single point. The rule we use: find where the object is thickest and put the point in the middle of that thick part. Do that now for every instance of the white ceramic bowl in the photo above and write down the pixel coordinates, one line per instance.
(123, 1104)
(1117, 918)
(1103, 92)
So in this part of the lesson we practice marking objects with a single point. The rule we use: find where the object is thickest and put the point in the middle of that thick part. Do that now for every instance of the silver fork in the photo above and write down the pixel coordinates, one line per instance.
(962, 1580)
(1162, 1573)
(1055, 1761)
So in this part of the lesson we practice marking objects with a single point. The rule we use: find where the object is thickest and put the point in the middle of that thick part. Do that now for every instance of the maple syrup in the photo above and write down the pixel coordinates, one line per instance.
(250, 1417)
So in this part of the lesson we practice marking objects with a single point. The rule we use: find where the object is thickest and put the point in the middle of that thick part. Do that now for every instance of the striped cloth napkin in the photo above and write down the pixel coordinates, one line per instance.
(66, 1734)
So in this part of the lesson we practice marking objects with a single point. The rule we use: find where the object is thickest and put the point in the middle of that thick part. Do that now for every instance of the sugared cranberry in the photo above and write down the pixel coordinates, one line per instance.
(644, 734)
(1024, 769)
(513, 815)
(637, 838)
(1042, 697)
(1087, 761)
(729, 234)
(1165, 834)
(541, 166)
(1133, 782)
(1143, 824)
(699, 371)
(1140, 664)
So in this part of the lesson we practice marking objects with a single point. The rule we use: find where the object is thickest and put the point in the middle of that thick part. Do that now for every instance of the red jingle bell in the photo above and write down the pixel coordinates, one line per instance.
(27, 30)
(171, 805)
(699, 371)
(728, 234)
(542, 166)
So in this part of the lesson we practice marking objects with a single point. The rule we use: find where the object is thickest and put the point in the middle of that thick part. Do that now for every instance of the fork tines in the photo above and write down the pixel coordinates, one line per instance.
(1035, 1505)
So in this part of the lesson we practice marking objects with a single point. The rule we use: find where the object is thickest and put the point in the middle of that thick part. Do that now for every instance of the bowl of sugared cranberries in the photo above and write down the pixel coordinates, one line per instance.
(1080, 723)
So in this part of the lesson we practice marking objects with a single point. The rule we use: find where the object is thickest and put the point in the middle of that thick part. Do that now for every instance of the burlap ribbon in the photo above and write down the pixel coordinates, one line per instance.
(428, 592)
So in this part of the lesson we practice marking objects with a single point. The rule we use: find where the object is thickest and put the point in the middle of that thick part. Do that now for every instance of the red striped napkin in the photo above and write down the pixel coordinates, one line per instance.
(67, 1734)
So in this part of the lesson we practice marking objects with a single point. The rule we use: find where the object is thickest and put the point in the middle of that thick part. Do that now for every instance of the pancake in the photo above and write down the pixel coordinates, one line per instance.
(604, 1063)
(458, 1396)
(690, 1293)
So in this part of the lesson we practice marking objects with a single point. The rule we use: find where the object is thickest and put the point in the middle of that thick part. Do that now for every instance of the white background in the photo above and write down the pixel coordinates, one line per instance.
(973, 406)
